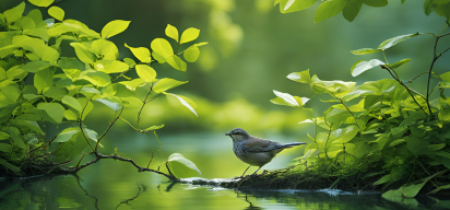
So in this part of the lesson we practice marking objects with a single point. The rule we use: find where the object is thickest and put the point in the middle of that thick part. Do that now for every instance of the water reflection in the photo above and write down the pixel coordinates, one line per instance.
(72, 192)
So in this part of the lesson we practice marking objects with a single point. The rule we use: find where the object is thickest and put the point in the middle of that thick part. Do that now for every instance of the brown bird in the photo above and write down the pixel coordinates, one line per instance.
(255, 151)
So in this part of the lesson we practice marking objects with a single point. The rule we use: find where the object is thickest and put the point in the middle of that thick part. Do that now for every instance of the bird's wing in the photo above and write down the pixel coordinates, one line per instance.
(255, 144)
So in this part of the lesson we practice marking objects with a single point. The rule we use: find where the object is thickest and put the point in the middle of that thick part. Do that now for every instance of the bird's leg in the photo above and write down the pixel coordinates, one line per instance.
(256, 170)
(246, 170)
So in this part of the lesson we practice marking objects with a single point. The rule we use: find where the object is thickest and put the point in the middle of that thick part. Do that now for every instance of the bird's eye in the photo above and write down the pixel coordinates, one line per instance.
(238, 133)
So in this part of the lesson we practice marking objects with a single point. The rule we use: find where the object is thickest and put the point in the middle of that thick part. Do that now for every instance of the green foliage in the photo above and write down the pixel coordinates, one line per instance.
(181, 167)
(380, 122)
(350, 8)
(39, 85)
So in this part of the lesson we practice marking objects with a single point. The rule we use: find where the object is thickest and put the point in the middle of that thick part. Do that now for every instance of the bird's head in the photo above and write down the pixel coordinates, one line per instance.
(238, 134)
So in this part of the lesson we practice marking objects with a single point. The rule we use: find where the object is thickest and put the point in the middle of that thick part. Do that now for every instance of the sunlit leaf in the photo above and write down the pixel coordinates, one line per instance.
(67, 134)
(114, 27)
(16, 136)
(397, 64)
(365, 51)
(145, 72)
(72, 103)
(110, 102)
(131, 85)
(172, 32)
(185, 101)
(35, 66)
(56, 12)
(344, 135)
(105, 49)
(84, 53)
(302, 76)
(288, 6)
(54, 110)
(154, 127)
(43, 79)
(56, 93)
(177, 63)
(97, 78)
(167, 84)
(162, 47)
(111, 66)
(189, 35)
(4, 135)
(191, 54)
(141, 53)
(329, 9)
(284, 99)
(41, 3)
(14, 13)
(361, 66)
(182, 167)
(395, 40)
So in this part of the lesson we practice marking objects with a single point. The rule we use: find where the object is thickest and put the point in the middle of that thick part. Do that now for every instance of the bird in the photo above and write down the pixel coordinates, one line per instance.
(255, 151)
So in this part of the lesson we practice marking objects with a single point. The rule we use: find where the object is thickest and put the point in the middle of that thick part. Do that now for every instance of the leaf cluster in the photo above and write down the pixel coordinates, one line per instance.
(382, 121)
(39, 86)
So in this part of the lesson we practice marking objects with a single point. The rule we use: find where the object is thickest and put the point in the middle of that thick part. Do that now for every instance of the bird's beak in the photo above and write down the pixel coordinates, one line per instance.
(228, 134)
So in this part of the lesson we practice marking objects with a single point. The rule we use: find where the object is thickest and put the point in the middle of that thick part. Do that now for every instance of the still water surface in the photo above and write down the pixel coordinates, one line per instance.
(116, 185)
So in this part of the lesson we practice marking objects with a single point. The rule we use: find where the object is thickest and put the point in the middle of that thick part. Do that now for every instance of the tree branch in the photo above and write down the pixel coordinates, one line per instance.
(99, 156)
(109, 127)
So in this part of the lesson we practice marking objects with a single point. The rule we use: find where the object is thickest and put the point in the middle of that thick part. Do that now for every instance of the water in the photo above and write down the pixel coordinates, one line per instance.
(117, 185)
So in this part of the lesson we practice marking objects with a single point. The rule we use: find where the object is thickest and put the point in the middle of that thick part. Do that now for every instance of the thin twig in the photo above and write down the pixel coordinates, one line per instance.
(353, 115)
(81, 126)
(109, 127)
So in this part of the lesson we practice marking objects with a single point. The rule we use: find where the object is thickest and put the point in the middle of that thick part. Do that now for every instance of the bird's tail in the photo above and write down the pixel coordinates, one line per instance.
(290, 145)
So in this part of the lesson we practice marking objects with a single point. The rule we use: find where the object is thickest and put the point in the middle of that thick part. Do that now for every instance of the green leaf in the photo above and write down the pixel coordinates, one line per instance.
(302, 76)
(56, 93)
(162, 47)
(155, 127)
(336, 88)
(114, 27)
(70, 63)
(32, 125)
(130, 62)
(10, 166)
(191, 54)
(110, 102)
(54, 110)
(361, 66)
(41, 3)
(284, 99)
(176, 63)
(395, 40)
(35, 66)
(393, 195)
(97, 78)
(10, 91)
(141, 53)
(351, 10)
(189, 35)
(329, 9)
(5, 147)
(412, 190)
(43, 79)
(445, 76)
(84, 53)
(167, 84)
(397, 142)
(72, 103)
(172, 32)
(145, 72)
(111, 66)
(182, 167)
(372, 88)
(17, 137)
(4, 135)
(88, 108)
(56, 12)
(344, 135)
(15, 13)
(397, 64)
(443, 154)
(288, 6)
(185, 101)
(67, 134)
(311, 153)
(376, 3)
(365, 51)
(131, 85)
(105, 49)
(436, 147)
